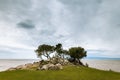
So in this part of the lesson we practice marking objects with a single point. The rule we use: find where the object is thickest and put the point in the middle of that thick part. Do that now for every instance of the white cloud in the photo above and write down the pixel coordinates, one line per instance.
(92, 24)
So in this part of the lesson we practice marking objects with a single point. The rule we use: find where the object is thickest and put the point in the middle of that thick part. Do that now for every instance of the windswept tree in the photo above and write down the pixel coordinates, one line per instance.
(44, 50)
(59, 49)
(64, 53)
(77, 53)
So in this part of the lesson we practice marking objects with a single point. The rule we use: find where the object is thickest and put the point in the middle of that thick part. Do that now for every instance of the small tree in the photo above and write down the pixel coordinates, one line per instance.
(58, 49)
(44, 50)
(77, 53)
(64, 52)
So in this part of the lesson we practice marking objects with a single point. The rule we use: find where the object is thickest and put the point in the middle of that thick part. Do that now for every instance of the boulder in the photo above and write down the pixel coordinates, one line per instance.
(29, 65)
(19, 67)
(52, 67)
(11, 69)
(59, 66)
(47, 66)
(44, 67)
(36, 64)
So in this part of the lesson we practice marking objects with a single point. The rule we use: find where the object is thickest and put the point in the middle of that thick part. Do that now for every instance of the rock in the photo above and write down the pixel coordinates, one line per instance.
(44, 67)
(54, 60)
(26, 66)
(38, 68)
(11, 69)
(29, 65)
(47, 66)
(86, 65)
(35, 64)
(52, 67)
(59, 66)
(66, 61)
(19, 67)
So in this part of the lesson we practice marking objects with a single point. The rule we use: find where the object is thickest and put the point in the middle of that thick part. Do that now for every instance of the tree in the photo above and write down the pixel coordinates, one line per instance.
(44, 50)
(77, 53)
(64, 52)
(58, 49)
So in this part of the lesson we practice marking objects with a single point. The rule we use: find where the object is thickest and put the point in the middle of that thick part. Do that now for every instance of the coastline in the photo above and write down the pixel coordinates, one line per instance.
(79, 73)
(93, 63)
(8, 63)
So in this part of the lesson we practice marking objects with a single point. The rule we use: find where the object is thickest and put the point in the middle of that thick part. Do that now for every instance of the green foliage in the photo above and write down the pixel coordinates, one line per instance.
(74, 52)
(77, 52)
(59, 49)
(44, 50)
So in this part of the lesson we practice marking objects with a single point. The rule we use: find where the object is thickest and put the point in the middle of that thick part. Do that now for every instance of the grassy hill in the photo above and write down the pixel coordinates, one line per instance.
(68, 73)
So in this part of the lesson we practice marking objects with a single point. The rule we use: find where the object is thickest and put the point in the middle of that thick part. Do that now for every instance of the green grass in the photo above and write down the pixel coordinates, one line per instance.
(68, 73)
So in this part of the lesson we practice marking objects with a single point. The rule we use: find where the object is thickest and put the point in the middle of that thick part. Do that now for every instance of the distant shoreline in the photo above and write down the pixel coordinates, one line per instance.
(102, 64)
(102, 58)
(99, 58)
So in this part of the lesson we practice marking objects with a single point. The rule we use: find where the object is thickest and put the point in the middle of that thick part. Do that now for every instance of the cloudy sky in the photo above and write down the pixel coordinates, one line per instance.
(92, 24)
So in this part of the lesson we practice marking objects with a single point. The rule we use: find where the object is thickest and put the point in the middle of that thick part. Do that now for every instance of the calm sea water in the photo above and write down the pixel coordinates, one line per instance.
(94, 63)
(8, 63)
(104, 64)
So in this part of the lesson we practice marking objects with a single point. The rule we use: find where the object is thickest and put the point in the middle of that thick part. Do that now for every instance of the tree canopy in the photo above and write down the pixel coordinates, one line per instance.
(76, 53)
(44, 50)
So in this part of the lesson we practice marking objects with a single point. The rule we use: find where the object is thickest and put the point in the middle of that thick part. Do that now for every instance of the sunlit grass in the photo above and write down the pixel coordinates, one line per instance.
(68, 73)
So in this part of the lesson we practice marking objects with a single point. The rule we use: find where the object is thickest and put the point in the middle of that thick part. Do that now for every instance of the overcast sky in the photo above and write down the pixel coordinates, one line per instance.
(92, 24)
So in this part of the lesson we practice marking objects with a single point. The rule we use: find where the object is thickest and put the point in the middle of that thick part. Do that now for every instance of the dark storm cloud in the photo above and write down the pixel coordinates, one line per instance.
(27, 24)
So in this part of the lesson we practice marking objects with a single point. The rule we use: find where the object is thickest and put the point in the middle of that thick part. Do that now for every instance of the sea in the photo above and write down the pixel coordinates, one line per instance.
(102, 64)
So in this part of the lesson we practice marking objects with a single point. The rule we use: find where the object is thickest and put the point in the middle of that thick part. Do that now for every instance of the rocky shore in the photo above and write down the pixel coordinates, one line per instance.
(51, 64)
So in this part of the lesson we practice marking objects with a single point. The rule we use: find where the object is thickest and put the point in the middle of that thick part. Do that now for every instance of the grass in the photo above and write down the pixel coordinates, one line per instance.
(68, 73)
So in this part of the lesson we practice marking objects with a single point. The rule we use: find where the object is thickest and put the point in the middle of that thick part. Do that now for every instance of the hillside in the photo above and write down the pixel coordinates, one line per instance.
(68, 73)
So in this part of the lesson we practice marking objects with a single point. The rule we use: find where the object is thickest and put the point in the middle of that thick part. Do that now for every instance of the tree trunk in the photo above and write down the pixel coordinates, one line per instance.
(63, 58)
(80, 62)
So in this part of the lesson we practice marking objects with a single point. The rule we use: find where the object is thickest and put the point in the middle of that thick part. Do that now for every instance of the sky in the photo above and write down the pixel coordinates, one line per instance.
(91, 24)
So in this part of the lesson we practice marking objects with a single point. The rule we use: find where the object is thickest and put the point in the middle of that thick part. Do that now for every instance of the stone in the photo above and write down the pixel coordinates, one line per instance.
(52, 67)
(24, 67)
(11, 69)
(19, 67)
(44, 67)
(29, 65)
(59, 66)
(35, 65)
